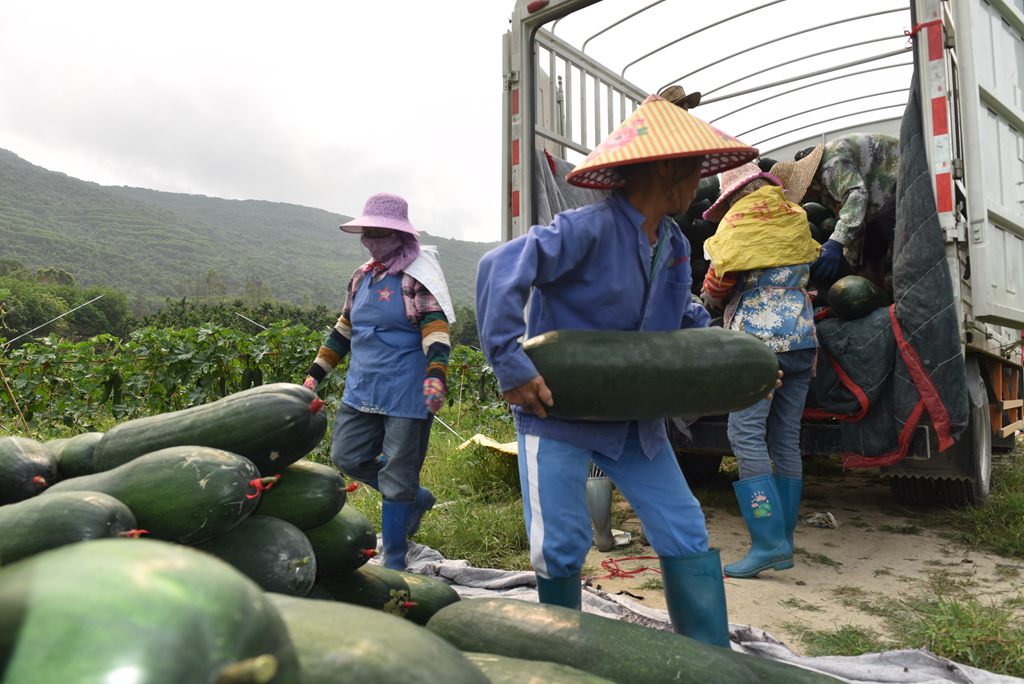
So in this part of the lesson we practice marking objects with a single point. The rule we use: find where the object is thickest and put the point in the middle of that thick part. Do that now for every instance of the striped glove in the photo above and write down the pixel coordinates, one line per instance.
(434, 393)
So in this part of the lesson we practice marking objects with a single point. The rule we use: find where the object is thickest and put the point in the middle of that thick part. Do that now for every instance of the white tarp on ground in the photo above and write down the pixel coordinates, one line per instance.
(913, 666)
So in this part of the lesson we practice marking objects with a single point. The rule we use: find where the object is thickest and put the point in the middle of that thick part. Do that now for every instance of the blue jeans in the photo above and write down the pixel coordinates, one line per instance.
(373, 447)
(769, 431)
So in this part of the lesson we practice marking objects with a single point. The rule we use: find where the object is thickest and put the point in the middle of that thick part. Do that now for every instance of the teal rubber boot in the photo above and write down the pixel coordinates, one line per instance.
(394, 518)
(790, 490)
(599, 503)
(766, 522)
(560, 591)
(695, 595)
(424, 502)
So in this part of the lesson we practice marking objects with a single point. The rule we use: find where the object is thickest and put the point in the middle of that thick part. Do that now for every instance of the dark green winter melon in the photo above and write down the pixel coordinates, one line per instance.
(186, 494)
(273, 553)
(307, 495)
(854, 297)
(75, 455)
(138, 610)
(428, 595)
(816, 213)
(344, 543)
(614, 649)
(766, 163)
(27, 468)
(623, 375)
(708, 189)
(60, 518)
(340, 643)
(371, 586)
(506, 670)
(271, 425)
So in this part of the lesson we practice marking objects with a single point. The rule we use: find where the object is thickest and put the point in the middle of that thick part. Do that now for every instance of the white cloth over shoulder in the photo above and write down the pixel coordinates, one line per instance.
(426, 268)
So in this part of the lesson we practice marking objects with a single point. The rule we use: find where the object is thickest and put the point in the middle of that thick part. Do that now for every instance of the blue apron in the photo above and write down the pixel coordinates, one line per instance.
(387, 364)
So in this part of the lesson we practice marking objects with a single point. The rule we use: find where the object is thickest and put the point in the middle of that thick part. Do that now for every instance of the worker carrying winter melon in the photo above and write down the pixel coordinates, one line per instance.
(855, 177)
(619, 264)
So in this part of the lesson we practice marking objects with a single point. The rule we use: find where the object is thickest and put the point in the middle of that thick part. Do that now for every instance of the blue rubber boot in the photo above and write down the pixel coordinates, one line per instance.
(394, 519)
(790, 489)
(423, 502)
(560, 591)
(766, 522)
(695, 595)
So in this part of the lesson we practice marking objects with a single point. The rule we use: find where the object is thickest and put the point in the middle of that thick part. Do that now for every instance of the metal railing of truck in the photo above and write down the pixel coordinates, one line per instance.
(571, 100)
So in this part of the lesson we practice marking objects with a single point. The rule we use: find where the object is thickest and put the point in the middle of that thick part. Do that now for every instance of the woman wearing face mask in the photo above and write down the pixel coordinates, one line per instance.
(395, 326)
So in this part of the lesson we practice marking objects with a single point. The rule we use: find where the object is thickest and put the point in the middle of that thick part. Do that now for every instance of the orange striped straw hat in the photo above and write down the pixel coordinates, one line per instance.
(658, 129)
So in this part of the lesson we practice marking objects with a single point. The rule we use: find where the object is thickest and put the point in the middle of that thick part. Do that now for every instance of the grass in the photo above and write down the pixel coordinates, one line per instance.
(653, 584)
(987, 636)
(817, 558)
(944, 616)
(846, 640)
(800, 604)
(998, 526)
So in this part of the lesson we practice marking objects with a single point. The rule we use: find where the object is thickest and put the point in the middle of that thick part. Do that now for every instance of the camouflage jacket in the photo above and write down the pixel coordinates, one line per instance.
(858, 174)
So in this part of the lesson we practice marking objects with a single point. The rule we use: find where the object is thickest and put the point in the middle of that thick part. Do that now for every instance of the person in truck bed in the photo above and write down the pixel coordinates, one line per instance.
(619, 264)
(854, 176)
(395, 326)
(760, 260)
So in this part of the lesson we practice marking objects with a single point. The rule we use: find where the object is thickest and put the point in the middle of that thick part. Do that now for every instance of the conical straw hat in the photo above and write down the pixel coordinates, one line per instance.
(658, 129)
(796, 176)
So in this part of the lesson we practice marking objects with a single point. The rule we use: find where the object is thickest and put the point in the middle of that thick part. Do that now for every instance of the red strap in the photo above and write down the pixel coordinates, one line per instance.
(917, 28)
(611, 565)
(853, 387)
(854, 460)
(551, 162)
(930, 400)
(925, 387)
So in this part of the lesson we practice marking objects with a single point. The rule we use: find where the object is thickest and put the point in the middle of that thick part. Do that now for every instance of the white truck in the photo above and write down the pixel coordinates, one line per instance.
(785, 74)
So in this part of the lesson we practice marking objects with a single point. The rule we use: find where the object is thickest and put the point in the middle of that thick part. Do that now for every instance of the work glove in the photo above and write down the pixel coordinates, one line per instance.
(826, 266)
(434, 393)
(309, 383)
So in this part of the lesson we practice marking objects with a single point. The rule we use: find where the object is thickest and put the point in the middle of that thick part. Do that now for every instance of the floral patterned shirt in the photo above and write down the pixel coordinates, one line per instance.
(772, 304)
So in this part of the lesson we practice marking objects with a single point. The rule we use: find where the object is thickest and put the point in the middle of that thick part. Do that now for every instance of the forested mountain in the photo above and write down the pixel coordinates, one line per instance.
(153, 244)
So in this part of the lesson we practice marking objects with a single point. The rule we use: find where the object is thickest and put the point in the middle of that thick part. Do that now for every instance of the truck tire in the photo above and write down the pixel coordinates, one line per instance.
(972, 454)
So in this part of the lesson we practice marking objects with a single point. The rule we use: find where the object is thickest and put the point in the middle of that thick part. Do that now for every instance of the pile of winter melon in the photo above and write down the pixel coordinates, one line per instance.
(200, 546)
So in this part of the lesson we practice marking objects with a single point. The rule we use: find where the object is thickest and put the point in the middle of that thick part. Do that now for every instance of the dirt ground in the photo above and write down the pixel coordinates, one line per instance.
(880, 550)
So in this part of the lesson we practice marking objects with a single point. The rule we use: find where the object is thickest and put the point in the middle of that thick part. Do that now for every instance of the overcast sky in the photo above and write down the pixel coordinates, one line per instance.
(319, 103)
(313, 102)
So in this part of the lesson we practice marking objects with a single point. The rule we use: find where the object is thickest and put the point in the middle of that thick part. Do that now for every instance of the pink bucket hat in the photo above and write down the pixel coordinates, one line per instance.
(732, 181)
(383, 210)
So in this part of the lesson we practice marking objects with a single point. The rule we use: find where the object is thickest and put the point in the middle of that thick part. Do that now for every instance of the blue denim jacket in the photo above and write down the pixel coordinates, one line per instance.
(591, 269)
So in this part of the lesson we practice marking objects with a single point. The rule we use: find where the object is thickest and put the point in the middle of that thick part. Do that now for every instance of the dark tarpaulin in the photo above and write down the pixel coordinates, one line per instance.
(884, 374)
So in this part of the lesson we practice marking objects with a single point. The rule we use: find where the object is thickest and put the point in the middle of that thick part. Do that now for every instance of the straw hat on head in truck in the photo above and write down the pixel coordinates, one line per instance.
(732, 181)
(677, 96)
(796, 176)
(656, 130)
